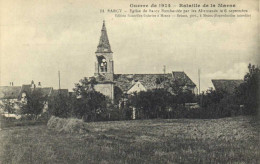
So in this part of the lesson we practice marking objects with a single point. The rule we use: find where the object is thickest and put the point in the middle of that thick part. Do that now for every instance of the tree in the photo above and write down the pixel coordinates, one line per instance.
(60, 105)
(248, 91)
(89, 104)
(185, 96)
(211, 97)
(35, 104)
(118, 94)
(152, 103)
(10, 106)
(84, 86)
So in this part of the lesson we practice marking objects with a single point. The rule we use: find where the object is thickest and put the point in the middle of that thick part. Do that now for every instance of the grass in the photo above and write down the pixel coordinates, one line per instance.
(7, 123)
(229, 140)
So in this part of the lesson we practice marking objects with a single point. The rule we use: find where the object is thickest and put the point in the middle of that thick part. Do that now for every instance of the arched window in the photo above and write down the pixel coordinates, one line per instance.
(103, 65)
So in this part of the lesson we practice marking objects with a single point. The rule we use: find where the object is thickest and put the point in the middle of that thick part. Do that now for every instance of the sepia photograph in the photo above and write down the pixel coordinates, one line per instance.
(129, 81)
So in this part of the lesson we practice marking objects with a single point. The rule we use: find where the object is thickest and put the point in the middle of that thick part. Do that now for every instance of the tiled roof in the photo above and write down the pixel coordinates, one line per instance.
(182, 79)
(15, 92)
(151, 81)
(46, 91)
(226, 84)
(26, 88)
(64, 92)
(9, 92)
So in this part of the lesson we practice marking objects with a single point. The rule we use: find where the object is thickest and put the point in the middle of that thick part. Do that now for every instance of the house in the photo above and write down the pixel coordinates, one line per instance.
(9, 94)
(226, 85)
(16, 95)
(29, 88)
(108, 81)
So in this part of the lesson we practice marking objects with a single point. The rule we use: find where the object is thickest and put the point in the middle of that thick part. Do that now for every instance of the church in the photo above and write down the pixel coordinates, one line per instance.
(108, 82)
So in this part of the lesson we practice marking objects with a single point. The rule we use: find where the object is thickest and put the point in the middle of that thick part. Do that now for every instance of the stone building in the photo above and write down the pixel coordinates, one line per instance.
(108, 81)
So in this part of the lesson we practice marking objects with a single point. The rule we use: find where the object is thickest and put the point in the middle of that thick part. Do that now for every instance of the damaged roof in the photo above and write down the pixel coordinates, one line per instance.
(151, 81)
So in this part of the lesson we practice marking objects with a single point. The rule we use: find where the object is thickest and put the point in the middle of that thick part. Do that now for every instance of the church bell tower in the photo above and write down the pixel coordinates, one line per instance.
(104, 67)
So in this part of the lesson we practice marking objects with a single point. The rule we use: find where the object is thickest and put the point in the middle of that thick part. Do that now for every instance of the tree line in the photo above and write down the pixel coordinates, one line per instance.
(160, 103)
(90, 105)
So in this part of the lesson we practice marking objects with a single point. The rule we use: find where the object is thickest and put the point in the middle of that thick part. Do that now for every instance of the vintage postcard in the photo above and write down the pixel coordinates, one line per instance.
(129, 81)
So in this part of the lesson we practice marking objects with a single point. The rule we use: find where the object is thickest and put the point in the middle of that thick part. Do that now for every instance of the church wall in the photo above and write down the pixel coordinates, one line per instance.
(106, 89)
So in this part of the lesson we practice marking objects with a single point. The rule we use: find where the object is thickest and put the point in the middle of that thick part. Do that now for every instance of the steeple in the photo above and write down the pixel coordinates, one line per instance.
(104, 65)
(103, 46)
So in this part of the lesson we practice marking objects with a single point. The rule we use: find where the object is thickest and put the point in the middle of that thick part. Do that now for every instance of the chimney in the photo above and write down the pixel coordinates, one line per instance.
(32, 84)
(39, 84)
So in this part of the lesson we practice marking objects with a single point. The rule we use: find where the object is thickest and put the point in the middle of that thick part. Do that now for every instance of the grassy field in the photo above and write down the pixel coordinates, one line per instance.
(228, 140)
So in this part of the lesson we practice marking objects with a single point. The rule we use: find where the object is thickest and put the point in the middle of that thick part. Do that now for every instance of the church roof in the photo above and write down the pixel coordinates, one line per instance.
(151, 81)
(103, 46)
(227, 85)
(125, 81)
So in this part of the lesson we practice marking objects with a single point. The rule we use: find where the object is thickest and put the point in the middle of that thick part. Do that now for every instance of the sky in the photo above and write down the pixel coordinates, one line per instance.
(39, 38)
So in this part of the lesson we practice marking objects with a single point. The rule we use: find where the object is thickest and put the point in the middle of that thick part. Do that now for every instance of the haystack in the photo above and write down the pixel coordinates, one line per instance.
(70, 125)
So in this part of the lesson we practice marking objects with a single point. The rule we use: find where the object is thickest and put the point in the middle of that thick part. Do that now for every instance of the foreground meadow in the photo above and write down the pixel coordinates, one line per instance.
(228, 140)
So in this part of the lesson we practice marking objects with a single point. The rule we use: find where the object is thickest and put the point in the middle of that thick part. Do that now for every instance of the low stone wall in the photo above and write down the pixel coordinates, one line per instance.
(70, 125)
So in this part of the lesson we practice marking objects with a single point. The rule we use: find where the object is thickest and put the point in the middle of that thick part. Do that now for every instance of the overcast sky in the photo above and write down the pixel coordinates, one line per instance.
(38, 38)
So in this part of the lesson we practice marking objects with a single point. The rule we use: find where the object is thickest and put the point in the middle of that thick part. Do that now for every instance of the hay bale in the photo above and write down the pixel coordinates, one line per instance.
(74, 125)
(70, 125)
(52, 122)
